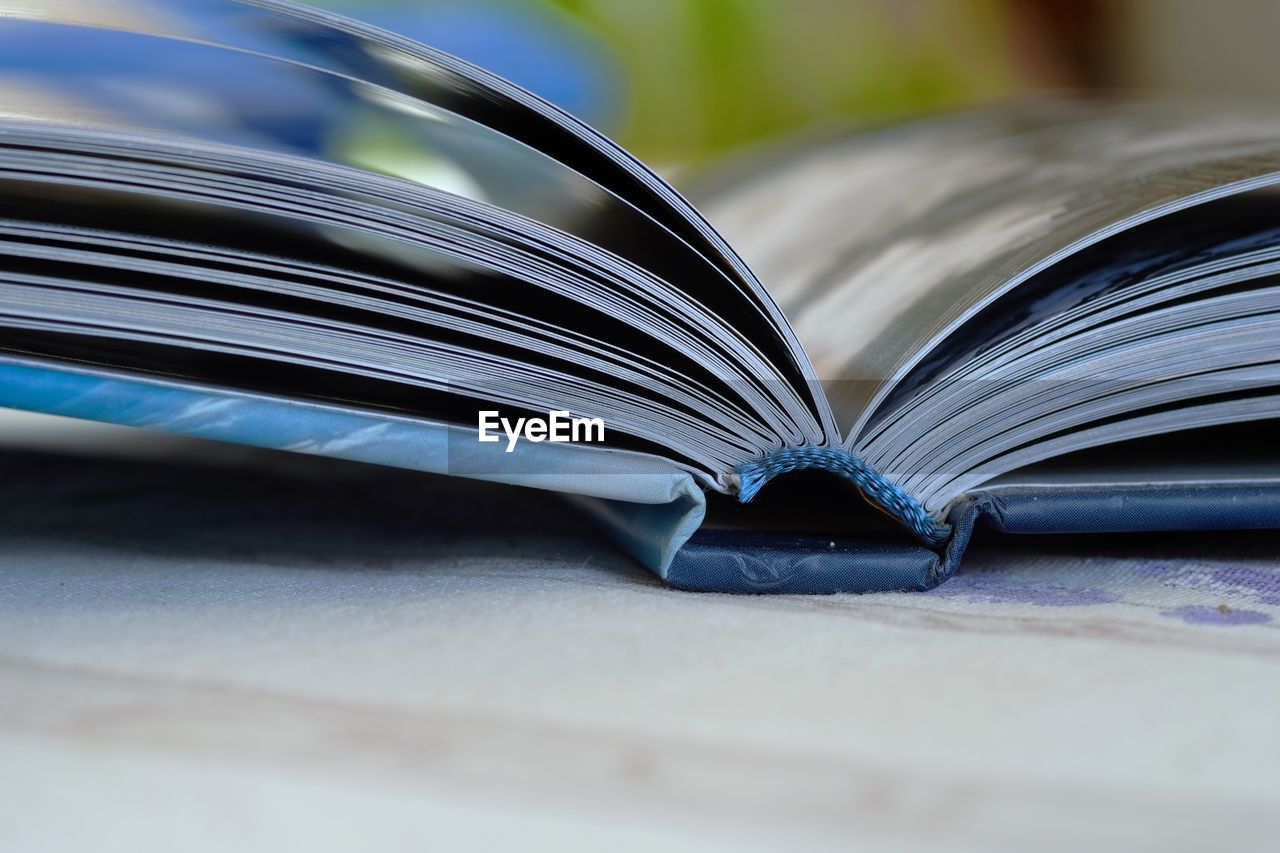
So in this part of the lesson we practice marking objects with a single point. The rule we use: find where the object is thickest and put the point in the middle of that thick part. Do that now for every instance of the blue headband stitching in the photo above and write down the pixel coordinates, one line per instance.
(895, 501)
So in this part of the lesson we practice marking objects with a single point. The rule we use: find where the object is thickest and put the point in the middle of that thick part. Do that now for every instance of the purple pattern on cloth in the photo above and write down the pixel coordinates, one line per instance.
(1162, 587)
(1152, 568)
(1200, 614)
(1264, 582)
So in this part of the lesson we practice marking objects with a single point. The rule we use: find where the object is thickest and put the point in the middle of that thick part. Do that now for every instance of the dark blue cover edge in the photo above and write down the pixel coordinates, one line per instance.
(757, 562)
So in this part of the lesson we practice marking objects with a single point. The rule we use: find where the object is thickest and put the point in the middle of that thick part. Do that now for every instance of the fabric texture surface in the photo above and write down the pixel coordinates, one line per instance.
(274, 651)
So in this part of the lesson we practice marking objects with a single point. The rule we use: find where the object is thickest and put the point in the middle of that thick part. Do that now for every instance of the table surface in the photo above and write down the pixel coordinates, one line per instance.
(252, 651)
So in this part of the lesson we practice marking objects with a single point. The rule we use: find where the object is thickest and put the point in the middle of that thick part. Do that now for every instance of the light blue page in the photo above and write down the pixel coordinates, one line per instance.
(650, 505)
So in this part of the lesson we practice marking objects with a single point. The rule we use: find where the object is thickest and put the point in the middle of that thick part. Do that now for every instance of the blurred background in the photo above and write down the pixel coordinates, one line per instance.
(686, 80)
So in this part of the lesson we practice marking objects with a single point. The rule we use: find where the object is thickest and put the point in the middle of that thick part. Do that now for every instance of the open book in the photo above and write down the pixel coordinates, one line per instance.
(261, 223)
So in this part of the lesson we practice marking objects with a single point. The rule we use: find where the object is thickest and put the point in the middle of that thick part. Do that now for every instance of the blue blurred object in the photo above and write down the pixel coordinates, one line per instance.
(531, 44)
(138, 75)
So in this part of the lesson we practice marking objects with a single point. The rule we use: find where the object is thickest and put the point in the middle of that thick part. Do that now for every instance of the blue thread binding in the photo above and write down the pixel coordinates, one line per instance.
(899, 504)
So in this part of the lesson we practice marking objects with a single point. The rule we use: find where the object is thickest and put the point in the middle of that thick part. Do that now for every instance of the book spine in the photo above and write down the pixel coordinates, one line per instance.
(883, 492)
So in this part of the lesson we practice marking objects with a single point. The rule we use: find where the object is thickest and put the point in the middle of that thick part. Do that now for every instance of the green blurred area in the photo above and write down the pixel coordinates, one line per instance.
(705, 76)
(709, 75)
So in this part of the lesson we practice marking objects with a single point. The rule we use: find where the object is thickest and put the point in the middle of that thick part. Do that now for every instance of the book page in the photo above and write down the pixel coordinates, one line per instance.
(878, 245)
